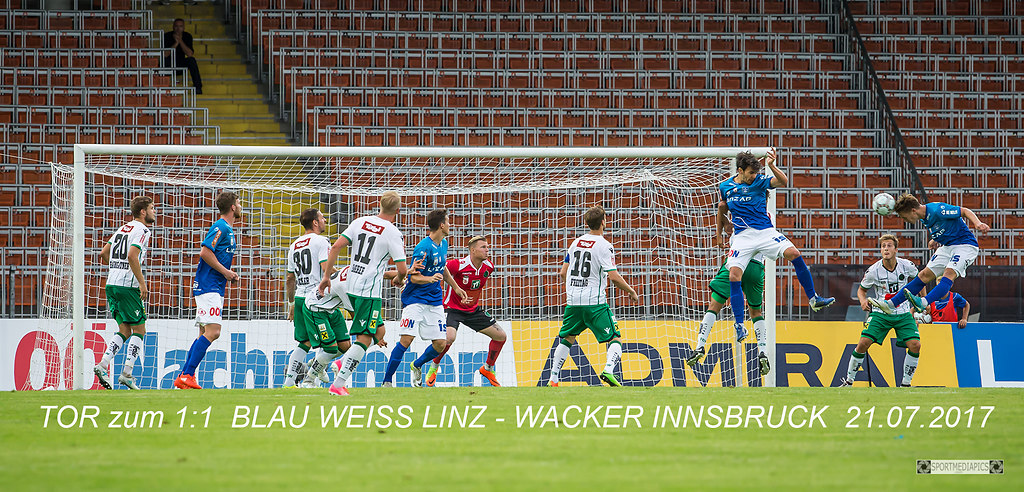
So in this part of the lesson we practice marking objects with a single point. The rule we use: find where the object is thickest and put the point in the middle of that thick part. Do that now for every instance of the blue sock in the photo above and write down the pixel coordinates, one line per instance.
(736, 298)
(396, 358)
(428, 354)
(804, 276)
(914, 286)
(940, 290)
(195, 355)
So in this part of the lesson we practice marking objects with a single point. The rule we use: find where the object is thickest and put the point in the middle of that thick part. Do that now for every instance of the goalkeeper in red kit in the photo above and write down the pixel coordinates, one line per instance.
(471, 273)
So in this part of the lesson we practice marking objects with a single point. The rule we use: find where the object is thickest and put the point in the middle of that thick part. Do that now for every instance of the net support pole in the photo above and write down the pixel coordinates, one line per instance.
(769, 299)
(78, 272)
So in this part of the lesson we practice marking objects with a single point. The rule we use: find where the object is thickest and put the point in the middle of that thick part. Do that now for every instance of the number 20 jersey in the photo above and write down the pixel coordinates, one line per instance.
(372, 240)
(305, 257)
(135, 234)
(590, 258)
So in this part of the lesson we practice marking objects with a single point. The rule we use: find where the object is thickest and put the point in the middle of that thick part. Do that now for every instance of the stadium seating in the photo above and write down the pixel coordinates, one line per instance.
(567, 73)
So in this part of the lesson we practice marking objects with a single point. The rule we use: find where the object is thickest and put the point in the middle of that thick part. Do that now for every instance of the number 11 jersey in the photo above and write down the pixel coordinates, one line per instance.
(590, 258)
(372, 240)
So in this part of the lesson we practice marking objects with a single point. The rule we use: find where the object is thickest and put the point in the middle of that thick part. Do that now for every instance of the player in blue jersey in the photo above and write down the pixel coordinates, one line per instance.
(954, 244)
(745, 196)
(214, 271)
(422, 310)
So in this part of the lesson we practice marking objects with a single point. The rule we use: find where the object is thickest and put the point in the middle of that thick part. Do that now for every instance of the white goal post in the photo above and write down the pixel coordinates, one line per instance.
(661, 202)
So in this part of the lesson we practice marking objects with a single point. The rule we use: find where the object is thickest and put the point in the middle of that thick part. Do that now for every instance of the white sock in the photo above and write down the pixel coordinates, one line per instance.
(614, 354)
(321, 361)
(113, 345)
(705, 328)
(762, 342)
(296, 358)
(133, 351)
(855, 361)
(561, 353)
(348, 365)
(909, 367)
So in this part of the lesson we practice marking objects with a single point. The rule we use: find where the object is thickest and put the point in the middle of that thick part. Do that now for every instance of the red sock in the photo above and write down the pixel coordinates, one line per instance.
(437, 360)
(493, 350)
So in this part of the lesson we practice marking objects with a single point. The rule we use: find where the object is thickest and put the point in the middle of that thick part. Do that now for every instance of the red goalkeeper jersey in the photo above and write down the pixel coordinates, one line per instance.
(470, 279)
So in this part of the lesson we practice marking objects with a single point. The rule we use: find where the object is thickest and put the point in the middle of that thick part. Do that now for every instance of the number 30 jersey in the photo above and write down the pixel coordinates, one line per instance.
(305, 259)
(132, 234)
(590, 258)
(372, 240)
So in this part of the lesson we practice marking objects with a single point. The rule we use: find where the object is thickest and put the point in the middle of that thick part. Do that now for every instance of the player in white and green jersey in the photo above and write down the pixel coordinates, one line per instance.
(374, 240)
(126, 290)
(588, 267)
(306, 258)
(887, 276)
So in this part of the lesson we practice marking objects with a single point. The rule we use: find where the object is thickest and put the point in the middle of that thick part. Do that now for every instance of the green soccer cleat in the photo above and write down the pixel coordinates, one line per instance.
(696, 357)
(763, 364)
(610, 379)
(432, 374)
(917, 304)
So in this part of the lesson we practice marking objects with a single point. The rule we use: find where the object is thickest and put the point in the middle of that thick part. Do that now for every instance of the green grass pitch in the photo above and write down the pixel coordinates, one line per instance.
(185, 450)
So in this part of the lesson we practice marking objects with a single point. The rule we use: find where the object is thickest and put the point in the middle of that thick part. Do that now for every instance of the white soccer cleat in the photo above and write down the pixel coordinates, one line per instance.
(763, 364)
(387, 384)
(885, 306)
(309, 383)
(845, 382)
(128, 380)
(101, 374)
(417, 375)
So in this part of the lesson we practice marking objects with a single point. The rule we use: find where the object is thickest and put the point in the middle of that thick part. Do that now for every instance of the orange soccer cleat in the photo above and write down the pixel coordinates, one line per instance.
(488, 372)
(186, 381)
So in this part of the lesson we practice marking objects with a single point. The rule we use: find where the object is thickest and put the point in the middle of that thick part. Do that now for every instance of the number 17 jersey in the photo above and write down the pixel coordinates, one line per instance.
(372, 240)
(590, 258)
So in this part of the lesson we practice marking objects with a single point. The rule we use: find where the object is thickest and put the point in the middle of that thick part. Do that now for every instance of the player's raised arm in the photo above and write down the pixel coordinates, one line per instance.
(973, 219)
(780, 180)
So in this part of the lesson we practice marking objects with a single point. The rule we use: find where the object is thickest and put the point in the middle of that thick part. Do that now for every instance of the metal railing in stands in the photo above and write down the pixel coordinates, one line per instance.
(874, 86)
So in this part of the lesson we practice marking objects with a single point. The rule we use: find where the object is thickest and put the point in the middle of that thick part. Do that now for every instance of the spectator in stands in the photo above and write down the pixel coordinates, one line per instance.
(181, 42)
(945, 310)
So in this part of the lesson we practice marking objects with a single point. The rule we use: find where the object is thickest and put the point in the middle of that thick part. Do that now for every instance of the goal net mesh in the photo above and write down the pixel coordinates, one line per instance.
(661, 224)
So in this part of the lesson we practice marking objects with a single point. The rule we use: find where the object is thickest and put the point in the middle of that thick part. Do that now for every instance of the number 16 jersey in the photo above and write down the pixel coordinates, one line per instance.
(590, 258)
(372, 240)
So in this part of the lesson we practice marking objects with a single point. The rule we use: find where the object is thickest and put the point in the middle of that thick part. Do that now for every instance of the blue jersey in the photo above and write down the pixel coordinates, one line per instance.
(958, 302)
(946, 225)
(748, 203)
(434, 257)
(221, 240)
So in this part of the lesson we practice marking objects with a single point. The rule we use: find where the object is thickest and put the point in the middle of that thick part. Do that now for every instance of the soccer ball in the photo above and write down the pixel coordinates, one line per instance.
(883, 203)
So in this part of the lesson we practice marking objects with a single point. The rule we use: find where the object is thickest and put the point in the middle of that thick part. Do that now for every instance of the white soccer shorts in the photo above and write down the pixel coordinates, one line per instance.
(749, 242)
(957, 257)
(209, 308)
(428, 321)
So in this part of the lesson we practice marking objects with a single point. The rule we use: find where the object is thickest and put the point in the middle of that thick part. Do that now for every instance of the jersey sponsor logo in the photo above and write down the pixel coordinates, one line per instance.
(585, 244)
(374, 228)
(408, 323)
(475, 285)
(302, 243)
(127, 228)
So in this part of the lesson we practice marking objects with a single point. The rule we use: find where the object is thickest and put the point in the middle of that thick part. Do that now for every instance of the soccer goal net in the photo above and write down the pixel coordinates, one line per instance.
(527, 202)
